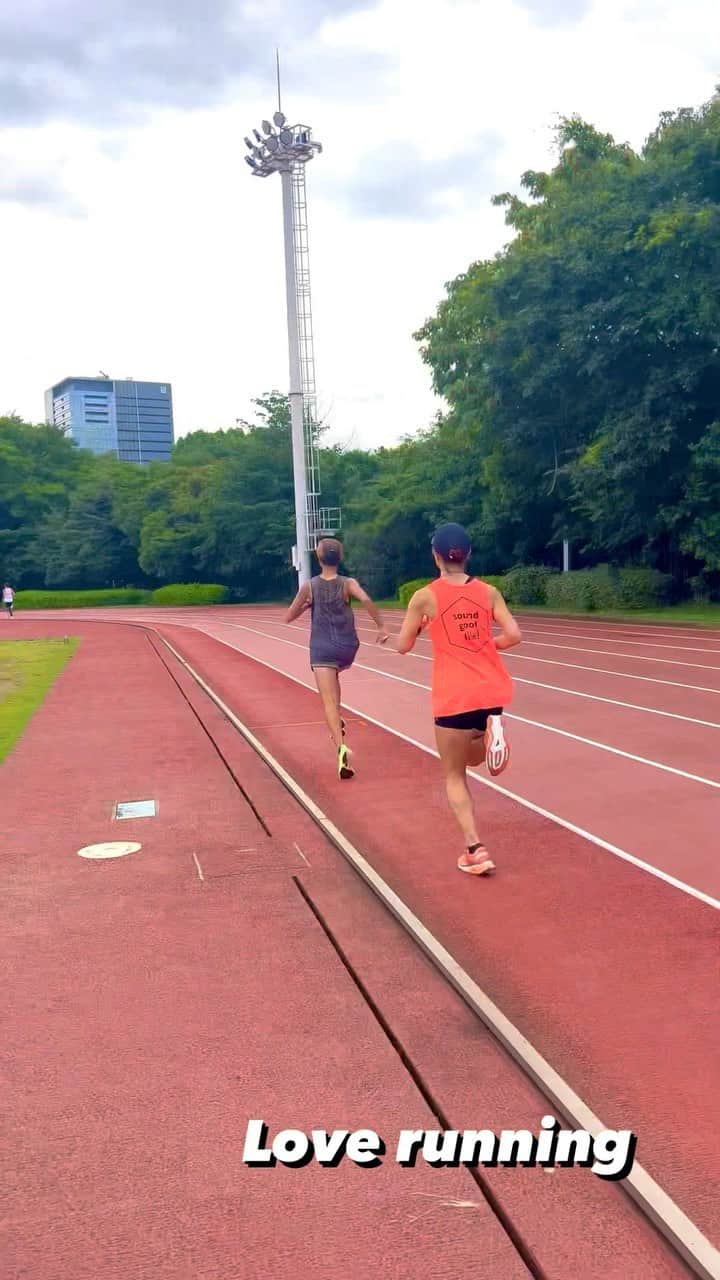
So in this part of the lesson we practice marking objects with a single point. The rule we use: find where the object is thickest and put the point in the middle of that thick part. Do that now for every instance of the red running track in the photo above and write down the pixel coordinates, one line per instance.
(610, 972)
(150, 1013)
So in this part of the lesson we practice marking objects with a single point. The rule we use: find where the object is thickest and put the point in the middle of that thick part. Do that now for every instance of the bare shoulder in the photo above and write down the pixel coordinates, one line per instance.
(423, 601)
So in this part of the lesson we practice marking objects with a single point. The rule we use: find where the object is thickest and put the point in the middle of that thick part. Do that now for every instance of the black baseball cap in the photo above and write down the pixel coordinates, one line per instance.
(451, 543)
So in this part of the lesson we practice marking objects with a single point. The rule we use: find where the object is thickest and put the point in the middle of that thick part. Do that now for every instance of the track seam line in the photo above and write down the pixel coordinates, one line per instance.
(519, 1244)
(656, 1205)
(212, 741)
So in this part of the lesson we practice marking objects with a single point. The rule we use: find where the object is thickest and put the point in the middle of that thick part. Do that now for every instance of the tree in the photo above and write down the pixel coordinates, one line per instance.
(583, 360)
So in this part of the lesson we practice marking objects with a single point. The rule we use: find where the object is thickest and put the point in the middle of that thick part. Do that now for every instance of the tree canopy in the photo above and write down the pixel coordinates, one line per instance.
(584, 360)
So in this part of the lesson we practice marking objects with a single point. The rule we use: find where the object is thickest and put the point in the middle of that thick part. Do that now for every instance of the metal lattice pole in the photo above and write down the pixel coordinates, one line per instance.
(286, 152)
(307, 354)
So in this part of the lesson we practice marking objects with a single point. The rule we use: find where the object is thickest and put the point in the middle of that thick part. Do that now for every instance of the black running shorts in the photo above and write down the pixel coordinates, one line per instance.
(468, 719)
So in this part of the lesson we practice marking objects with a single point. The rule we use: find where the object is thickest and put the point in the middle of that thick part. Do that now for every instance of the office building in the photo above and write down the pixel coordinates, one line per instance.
(133, 420)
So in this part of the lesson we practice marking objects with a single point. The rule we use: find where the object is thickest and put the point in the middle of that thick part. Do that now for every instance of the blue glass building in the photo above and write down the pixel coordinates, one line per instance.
(133, 420)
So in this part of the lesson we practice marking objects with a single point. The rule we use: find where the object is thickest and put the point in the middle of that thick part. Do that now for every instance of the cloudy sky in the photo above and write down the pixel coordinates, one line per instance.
(134, 239)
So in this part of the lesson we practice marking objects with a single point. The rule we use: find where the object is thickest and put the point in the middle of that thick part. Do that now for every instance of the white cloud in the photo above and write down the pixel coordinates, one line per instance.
(175, 270)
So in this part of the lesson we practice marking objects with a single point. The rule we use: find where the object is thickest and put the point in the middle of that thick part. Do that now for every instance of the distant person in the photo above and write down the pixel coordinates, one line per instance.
(333, 638)
(470, 685)
(8, 596)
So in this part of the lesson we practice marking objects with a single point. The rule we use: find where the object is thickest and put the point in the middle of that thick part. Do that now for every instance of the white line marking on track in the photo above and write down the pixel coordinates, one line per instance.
(648, 644)
(575, 693)
(615, 702)
(619, 629)
(550, 662)
(614, 849)
(629, 657)
(199, 868)
(302, 855)
(536, 724)
(608, 671)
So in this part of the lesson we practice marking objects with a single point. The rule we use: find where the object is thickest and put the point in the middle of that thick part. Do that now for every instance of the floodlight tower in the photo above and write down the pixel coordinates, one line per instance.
(286, 149)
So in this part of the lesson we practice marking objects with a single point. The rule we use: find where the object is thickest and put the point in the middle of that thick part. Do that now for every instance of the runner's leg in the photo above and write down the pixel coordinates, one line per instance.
(453, 746)
(326, 679)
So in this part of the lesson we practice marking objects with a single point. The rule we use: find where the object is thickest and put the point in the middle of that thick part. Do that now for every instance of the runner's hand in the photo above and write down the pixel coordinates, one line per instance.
(382, 637)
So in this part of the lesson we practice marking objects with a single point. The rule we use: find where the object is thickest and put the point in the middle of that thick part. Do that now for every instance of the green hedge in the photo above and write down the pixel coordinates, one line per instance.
(496, 580)
(179, 593)
(602, 589)
(644, 588)
(81, 599)
(607, 589)
(526, 584)
(408, 589)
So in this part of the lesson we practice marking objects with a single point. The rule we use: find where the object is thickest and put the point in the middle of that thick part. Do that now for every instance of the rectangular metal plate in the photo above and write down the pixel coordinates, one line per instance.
(135, 809)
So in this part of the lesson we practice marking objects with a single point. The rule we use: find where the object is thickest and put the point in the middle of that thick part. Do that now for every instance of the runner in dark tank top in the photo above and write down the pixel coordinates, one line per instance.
(333, 638)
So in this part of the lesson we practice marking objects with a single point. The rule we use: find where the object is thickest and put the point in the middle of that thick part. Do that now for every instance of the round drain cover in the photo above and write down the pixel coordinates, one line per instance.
(114, 849)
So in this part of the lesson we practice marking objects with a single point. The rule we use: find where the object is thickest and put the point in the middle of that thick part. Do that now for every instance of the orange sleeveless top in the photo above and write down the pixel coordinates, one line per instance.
(468, 672)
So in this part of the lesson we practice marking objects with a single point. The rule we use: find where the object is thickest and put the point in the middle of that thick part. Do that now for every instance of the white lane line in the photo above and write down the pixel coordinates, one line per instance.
(647, 644)
(550, 662)
(199, 868)
(637, 631)
(537, 684)
(608, 671)
(536, 724)
(534, 626)
(614, 849)
(628, 657)
(615, 702)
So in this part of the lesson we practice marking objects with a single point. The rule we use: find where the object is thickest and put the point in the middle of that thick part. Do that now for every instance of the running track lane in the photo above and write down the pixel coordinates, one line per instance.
(611, 973)
(660, 817)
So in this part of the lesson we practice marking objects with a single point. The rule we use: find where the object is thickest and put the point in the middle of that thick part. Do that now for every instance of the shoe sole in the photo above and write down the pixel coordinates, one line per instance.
(497, 755)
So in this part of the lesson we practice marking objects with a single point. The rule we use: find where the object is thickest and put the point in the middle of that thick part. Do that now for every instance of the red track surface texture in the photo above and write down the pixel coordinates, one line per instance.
(152, 1013)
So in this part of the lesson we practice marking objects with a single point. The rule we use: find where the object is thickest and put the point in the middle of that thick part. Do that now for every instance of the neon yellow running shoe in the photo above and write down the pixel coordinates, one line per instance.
(344, 769)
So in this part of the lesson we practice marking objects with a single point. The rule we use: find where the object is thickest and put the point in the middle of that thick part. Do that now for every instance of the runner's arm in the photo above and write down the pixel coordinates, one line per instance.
(299, 604)
(510, 631)
(357, 593)
(412, 622)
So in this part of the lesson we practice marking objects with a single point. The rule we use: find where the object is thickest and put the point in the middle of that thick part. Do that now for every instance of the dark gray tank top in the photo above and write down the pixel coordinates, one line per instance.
(333, 622)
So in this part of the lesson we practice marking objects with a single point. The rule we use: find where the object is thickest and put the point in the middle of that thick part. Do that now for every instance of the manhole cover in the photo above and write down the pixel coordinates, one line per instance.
(113, 849)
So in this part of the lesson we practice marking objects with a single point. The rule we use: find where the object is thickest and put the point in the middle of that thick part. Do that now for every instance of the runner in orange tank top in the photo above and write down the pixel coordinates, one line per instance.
(470, 684)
